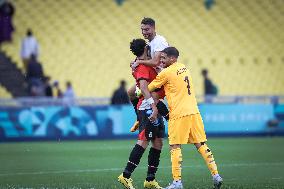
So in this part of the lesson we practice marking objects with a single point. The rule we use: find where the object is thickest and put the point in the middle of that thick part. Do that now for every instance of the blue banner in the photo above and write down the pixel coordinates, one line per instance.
(66, 122)
(76, 122)
(236, 118)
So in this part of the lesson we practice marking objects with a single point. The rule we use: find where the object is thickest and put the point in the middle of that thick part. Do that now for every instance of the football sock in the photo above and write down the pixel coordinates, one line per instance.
(153, 163)
(209, 159)
(134, 103)
(176, 158)
(163, 110)
(133, 161)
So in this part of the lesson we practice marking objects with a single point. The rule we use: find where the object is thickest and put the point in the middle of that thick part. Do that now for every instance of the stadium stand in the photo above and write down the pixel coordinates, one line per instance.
(87, 42)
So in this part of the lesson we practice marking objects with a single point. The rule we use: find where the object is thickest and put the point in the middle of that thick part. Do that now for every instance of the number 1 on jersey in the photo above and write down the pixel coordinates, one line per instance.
(188, 86)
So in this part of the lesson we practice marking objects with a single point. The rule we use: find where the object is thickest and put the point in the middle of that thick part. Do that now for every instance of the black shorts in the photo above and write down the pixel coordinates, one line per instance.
(147, 131)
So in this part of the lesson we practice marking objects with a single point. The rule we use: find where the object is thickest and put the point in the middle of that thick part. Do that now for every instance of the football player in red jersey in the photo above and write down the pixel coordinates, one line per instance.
(152, 129)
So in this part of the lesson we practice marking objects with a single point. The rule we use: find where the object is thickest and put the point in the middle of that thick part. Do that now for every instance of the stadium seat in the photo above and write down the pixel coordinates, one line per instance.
(87, 42)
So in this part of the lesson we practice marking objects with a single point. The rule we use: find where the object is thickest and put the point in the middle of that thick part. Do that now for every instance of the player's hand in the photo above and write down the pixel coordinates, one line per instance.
(154, 114)
(133, 65)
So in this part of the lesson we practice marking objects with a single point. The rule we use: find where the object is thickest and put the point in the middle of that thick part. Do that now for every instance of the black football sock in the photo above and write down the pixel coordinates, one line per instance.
(134, 104)
(153, 163)
(134, 159)
(163, 110)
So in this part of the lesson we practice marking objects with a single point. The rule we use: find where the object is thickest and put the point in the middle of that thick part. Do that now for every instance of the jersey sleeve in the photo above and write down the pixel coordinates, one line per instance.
(142, 73)
(159, 81)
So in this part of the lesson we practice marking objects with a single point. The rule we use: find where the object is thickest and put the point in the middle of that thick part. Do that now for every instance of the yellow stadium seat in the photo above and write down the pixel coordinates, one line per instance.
(87, 42)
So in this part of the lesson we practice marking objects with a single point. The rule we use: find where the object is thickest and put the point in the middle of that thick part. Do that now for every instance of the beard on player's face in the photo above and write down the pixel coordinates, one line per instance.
(148, 35)
(166, 61)
(147, 31)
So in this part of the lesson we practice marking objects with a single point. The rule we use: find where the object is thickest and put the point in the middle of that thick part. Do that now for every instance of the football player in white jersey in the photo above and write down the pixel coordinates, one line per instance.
(156, 44)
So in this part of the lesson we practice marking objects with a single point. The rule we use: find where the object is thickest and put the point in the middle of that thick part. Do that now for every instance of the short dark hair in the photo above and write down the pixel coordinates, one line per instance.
(204, 72)
(122, 83)
(171, 51)
(29, 32)
(148, 21)
(68, 83)
(137, 46)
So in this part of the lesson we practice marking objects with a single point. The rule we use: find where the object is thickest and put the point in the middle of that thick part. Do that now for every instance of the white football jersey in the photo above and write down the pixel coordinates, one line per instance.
(159, 43)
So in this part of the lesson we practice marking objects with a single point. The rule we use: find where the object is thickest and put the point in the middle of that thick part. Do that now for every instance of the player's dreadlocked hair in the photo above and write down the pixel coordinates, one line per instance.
(137, 46)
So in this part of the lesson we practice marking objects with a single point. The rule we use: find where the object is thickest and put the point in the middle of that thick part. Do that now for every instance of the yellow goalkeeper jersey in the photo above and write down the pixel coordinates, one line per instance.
(179, 90)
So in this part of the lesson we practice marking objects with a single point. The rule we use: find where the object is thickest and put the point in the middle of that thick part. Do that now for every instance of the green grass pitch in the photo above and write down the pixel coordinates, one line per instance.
(243, 162)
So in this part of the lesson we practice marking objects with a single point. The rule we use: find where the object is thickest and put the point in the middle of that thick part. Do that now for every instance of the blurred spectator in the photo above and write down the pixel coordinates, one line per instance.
(48, 88)
(35, 77)
(119, 2)
(209, 4)
(34, 69)
(6, 16)
(120, 95)
(29, 47)
(69, 95)
(209, 87)
(58, 92)
(69, 92)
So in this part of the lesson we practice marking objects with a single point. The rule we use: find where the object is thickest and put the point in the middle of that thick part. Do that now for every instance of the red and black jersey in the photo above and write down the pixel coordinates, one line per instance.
(147, 73)
(143, 72)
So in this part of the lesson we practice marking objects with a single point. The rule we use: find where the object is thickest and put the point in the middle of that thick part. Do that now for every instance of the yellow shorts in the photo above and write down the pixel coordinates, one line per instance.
(187, 129)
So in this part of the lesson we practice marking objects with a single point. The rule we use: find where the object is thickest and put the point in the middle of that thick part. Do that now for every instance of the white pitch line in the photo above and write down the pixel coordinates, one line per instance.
(142, 167)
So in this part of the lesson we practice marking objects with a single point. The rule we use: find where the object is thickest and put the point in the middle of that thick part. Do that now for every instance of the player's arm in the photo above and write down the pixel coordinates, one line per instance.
(158, 47)
(151, 62)
(146, 93)
(159, 81)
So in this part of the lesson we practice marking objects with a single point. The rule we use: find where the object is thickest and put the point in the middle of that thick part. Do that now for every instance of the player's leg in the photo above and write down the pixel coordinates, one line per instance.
(178, 131)
(154, 152)
(208, 157)
(198, 137)
(136, 153)
(162, 108)
(133, 161)
(134, 101)
(153, 164)
(176, 159)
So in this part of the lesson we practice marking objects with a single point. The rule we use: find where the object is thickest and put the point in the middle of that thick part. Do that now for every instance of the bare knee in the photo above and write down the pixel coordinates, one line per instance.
(198, 145)
(174, 146)
(143, 143)
(157, 143)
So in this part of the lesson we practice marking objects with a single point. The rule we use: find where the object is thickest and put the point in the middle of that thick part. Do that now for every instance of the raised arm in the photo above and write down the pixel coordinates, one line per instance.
(151, 62)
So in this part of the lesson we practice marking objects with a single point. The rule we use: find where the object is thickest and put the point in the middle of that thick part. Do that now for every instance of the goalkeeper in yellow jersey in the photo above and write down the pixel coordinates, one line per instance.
(185, 122)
